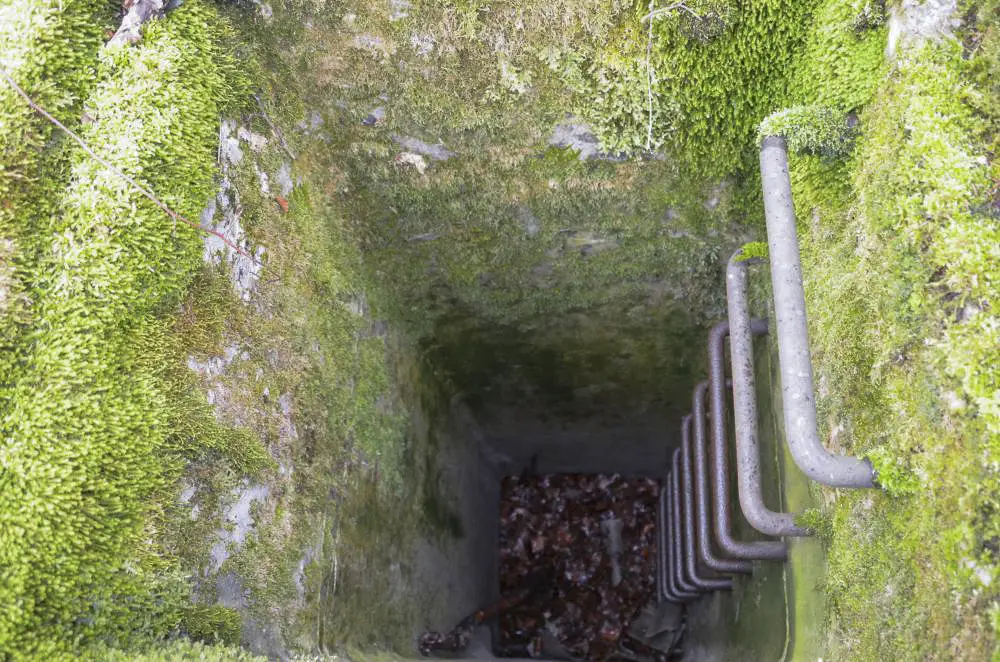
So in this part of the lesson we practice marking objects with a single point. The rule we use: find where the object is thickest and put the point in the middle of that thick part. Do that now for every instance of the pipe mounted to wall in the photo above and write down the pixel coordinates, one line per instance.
(680, 584)
(706, 554)
(793, 339)
(748, 478)
(775, 550)
(667, 588)
(685, 495)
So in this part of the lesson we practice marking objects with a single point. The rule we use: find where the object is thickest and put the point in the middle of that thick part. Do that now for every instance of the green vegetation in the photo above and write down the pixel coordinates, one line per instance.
(502, 269)
(213, 624)
(900, 259)
(810, 130)
(752, 250)
(84, 417)
(180, 650)
(30, 177)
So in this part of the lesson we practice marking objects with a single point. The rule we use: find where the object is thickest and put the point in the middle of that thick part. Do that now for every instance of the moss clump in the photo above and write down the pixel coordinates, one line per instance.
(33, 160)
(905, 344)
(702, 91)
(179, 650)
(753, 250)
(838, 67)
(818, 522)
(714, 70)
(85, 418)
(213, 624)
(817, 130)
(69, 34)
(871, 14)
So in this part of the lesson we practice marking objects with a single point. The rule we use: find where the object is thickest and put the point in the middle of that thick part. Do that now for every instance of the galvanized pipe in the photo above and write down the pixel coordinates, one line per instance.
(793, 337)
(661, 552)
(686, 480)
(664, 567)
(765, 549)
(706, 554)
(675, 578)
(681, 582)
(748, 476)
(681, 578)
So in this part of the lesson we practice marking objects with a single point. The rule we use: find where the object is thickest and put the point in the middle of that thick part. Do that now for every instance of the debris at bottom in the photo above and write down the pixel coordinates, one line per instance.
(577, 575)
(593, 539)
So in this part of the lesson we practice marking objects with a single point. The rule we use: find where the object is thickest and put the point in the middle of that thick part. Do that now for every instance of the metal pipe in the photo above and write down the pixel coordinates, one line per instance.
(661, 560)
(704, 519)
(670, 583)
(665, 586)
(764, 549)
(681, 584)
(793, 337)
(748, 476)
(686, 480)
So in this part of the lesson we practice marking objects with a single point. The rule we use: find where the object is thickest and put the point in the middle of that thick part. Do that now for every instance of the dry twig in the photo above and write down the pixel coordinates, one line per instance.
(141, 189)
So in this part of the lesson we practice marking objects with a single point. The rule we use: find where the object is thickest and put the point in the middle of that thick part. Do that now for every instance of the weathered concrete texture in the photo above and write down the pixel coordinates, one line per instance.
(637, 445)
(459, 575)
(223, 212)
(579, 136)
(237, 523)
(262, 638)
(913, 21)
(437, 152)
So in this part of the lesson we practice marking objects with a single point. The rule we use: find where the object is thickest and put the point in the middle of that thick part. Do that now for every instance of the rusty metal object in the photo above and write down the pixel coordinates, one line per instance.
(684, 493)
(457, 639)
(775, 550)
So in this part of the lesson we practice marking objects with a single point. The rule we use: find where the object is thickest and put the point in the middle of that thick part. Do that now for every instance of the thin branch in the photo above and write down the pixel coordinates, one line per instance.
(277, 132)
(665, 10)
(167, 210)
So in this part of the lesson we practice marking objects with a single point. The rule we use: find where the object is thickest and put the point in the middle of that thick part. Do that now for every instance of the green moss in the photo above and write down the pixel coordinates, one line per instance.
(212, 624)
(885, 285)
(33, 159)
(841, 64)
(69, 34)
(752, 250)
(701, 92)
(513, 268)
(179, 650)
(814, 130)
(716, 70)
(85, 418)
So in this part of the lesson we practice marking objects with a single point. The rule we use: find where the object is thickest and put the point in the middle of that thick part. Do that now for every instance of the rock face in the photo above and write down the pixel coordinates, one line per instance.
(578, 136)
(912, 21)
(223, 212)
(138, 13)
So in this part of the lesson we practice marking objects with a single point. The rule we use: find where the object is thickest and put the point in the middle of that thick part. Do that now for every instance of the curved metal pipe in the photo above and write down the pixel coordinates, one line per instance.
(748, 482)
(793, 337)
(686, 491)
(665, 586)
(765, 549)
(704, 518)
(681, 584)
